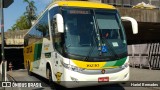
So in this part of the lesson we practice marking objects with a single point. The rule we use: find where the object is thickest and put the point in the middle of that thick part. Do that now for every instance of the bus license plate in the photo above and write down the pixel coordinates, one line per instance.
(103, 79)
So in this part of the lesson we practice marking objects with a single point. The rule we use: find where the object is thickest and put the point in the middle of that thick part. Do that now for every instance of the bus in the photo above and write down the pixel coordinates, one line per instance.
(78, 43)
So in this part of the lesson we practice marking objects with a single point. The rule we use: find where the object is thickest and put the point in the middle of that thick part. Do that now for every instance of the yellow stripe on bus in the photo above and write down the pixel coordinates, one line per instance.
(29, 55)
(84, 4)
(89, 65)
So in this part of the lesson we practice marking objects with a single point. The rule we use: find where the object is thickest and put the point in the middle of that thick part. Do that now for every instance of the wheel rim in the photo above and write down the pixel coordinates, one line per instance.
(47, 74)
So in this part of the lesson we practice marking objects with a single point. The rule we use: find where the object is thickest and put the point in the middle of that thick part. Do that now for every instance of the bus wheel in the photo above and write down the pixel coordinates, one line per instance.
(49, 77)
(28, 70)
(49, 74)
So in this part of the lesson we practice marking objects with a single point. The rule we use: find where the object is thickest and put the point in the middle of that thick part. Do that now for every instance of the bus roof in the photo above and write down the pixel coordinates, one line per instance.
(83, 4)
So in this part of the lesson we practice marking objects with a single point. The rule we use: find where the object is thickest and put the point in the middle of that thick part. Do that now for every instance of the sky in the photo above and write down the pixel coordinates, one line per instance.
(17, 8)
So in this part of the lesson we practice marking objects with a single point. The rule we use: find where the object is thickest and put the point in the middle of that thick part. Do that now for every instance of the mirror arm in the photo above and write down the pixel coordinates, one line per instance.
(133, 22)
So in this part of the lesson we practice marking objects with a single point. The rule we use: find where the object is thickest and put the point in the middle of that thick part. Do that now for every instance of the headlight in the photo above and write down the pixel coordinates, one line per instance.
(73, 68)
(125, 65)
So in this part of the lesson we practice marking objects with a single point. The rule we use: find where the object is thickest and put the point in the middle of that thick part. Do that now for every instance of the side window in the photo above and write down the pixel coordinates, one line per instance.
(53, 26)
(39, 31)
(57, 37)
(42, 28)
(31, 36)
(52, 13)
(26, 40)
(58, 42)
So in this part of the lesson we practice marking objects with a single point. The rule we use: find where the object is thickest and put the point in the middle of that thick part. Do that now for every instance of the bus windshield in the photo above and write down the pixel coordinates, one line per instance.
(93, 34)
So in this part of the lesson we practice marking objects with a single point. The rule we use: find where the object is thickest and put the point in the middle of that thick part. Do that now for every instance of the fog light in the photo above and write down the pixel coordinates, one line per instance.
(74, 79)
(125, 75)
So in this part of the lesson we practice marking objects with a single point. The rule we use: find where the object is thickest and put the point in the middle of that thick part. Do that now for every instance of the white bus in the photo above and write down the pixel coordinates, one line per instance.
(76, 41)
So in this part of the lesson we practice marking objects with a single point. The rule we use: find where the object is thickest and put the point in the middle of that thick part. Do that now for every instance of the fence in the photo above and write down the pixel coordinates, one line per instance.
(145, 55)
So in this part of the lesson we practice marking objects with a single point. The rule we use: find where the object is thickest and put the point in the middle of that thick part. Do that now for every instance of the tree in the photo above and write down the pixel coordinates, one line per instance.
(30, 12)
(21, 24)
(13, 27)
(25, 21)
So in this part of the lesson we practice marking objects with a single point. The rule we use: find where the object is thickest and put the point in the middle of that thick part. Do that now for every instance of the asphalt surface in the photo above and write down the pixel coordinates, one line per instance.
(136, 74)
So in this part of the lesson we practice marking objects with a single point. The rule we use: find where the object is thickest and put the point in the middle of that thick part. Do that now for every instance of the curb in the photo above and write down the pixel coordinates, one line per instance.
(11, 79)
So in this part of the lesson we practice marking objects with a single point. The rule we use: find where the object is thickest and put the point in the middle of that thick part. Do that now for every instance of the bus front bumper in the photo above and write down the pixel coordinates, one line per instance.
(74, 79)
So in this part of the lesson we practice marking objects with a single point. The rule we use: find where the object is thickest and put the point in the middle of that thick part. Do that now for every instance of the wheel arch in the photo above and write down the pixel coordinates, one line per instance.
(49, 65)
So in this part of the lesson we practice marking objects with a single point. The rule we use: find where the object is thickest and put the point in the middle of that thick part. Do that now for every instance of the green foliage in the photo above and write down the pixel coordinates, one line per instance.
(24, 22)
(42, 27)
(30, 12)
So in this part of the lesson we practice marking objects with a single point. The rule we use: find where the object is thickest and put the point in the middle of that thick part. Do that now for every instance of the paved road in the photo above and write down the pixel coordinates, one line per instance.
(136, 75)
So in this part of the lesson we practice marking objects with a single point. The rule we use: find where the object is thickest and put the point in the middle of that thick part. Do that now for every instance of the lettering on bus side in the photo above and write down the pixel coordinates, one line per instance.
(29, 49)
(92, 65)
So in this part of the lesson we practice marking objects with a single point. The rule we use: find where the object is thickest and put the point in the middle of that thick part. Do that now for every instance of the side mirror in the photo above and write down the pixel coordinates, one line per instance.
(59, 23)
(133, 22)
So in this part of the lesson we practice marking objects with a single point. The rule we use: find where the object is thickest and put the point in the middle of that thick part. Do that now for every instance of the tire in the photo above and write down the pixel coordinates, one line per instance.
(49, 74)
(49, 77)
(59, 87)
(28, 70)
(51, 83)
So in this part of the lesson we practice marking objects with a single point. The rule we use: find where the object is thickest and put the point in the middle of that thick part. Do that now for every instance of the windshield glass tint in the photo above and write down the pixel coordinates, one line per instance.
(112, 33)
(81, 36)
(107, 21)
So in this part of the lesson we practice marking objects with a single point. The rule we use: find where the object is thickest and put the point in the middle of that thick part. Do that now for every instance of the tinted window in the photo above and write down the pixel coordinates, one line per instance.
(39, 31)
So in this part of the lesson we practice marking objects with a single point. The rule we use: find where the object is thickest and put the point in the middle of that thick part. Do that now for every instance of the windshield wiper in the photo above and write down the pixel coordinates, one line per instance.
(98, 37)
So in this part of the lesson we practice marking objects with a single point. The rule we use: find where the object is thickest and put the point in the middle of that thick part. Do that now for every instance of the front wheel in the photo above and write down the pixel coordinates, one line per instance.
(28, 70)
(49, 77)
(51, 83)
(49, 74)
